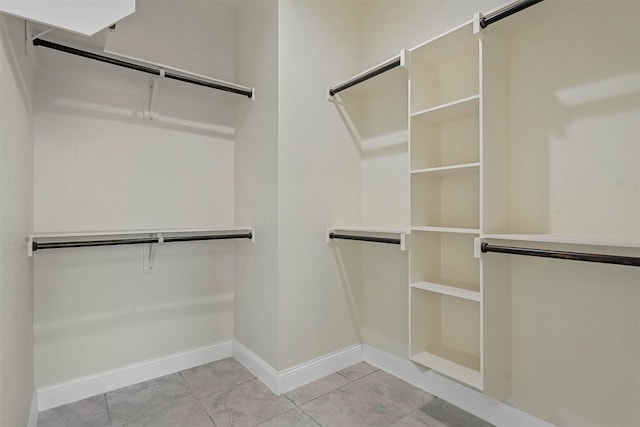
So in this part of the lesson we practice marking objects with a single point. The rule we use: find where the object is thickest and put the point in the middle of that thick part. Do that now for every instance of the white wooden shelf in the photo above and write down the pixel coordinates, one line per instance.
(448, 230)
(459, 290)
(453, 363)
(449, 170)
(451, 111)
(572, 239)
(67, 236)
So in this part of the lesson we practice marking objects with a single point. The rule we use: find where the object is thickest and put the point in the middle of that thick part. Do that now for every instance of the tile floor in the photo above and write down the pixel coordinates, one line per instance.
(224, 393)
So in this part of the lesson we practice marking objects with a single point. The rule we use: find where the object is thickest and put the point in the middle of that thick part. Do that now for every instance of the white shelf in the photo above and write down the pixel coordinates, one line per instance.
(62, 236)
(448, 230)
(568, 239)
(449, 170)
(455, 110)
(452, 363)
(459, 290)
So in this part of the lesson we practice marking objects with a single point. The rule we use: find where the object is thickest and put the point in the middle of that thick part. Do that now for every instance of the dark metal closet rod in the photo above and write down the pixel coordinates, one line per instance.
(359, 79)
(145, 240)
(574, 256)
(365, 238)
(141, 68)
(508, 11)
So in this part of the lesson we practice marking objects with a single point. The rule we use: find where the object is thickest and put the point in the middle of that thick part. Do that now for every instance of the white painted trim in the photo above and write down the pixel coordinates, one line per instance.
(258, 367)
(306, 372)
(80, 388)
(283, 381)
(33, 410)
(470, 400)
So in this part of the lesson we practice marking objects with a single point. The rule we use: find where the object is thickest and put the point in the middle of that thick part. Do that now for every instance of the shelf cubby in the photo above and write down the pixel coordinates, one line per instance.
(445, 335)
(446, 200)
(445, 69)
(445, 259)
(446, 136)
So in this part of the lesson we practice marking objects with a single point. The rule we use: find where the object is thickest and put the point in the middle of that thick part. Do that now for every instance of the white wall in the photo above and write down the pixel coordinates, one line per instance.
(319, 182)
(256, 180)
(16, 204)
(100, 165)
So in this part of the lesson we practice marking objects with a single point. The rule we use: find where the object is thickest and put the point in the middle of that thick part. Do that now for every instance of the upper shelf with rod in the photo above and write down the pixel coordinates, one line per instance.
(153, 69)
(390, 64)
(58, 240)
(375, 235)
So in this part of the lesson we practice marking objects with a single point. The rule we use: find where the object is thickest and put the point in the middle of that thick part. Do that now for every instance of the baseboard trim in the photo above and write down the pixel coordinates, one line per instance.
(33, 410)
(281, 382)
(470, 400)
(80, 388)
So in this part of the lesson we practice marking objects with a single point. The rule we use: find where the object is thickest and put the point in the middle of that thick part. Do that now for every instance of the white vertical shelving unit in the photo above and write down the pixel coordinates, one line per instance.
(445, 146)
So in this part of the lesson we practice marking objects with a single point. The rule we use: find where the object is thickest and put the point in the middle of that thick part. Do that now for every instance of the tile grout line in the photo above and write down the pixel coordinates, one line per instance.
(207, 412)
(106, 403)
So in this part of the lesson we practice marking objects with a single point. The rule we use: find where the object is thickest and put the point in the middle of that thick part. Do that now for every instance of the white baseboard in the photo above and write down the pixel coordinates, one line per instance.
(470, 400)
(33, 411)
(80, 388)
(281, 382)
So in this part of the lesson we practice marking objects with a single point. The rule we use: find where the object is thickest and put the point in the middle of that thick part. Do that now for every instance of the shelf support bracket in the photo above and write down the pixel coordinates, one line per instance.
(476, 247)
(477, 18)
(153, 88)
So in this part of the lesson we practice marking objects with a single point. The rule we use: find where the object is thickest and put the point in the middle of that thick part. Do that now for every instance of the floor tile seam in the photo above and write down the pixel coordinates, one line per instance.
(226, 388)
(106, 404)
(404, 414)
(155, 412)
(322, 395)
(275, 416)
(310, 416)
(418, 420)
(204, 408)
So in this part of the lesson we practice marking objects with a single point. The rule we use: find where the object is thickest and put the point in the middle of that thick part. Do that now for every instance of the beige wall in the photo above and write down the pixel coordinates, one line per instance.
(256, 179)
(16, 207)
(319, 182)
(100, 165)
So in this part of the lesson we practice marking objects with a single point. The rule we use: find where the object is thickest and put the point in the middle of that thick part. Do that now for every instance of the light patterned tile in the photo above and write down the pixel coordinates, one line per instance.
(448, 414)
(427, 420)
(409, 421)
(352, 406)
(317, 388)
(403, 395)
(293, 418)
(91, 412)
(248, 404)
(357, 371)
(214, 377)
(189, 415)
(141, 400)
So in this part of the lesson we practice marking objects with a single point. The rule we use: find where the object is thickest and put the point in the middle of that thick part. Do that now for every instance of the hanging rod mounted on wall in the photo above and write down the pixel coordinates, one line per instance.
(365, 238)
(574, 256)
(347, 233)
(182, 76)
(504, 12)
(396, 61)
(40, 241)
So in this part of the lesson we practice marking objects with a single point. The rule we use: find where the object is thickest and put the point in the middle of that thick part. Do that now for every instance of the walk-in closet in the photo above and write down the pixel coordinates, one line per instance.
(319, 213)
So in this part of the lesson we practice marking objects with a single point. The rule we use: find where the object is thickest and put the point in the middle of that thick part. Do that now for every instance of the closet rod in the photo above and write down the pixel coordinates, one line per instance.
(115, 242)
(507, 11)
(575, 256)
(142, 68)
(364, 238)
(382, 68)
